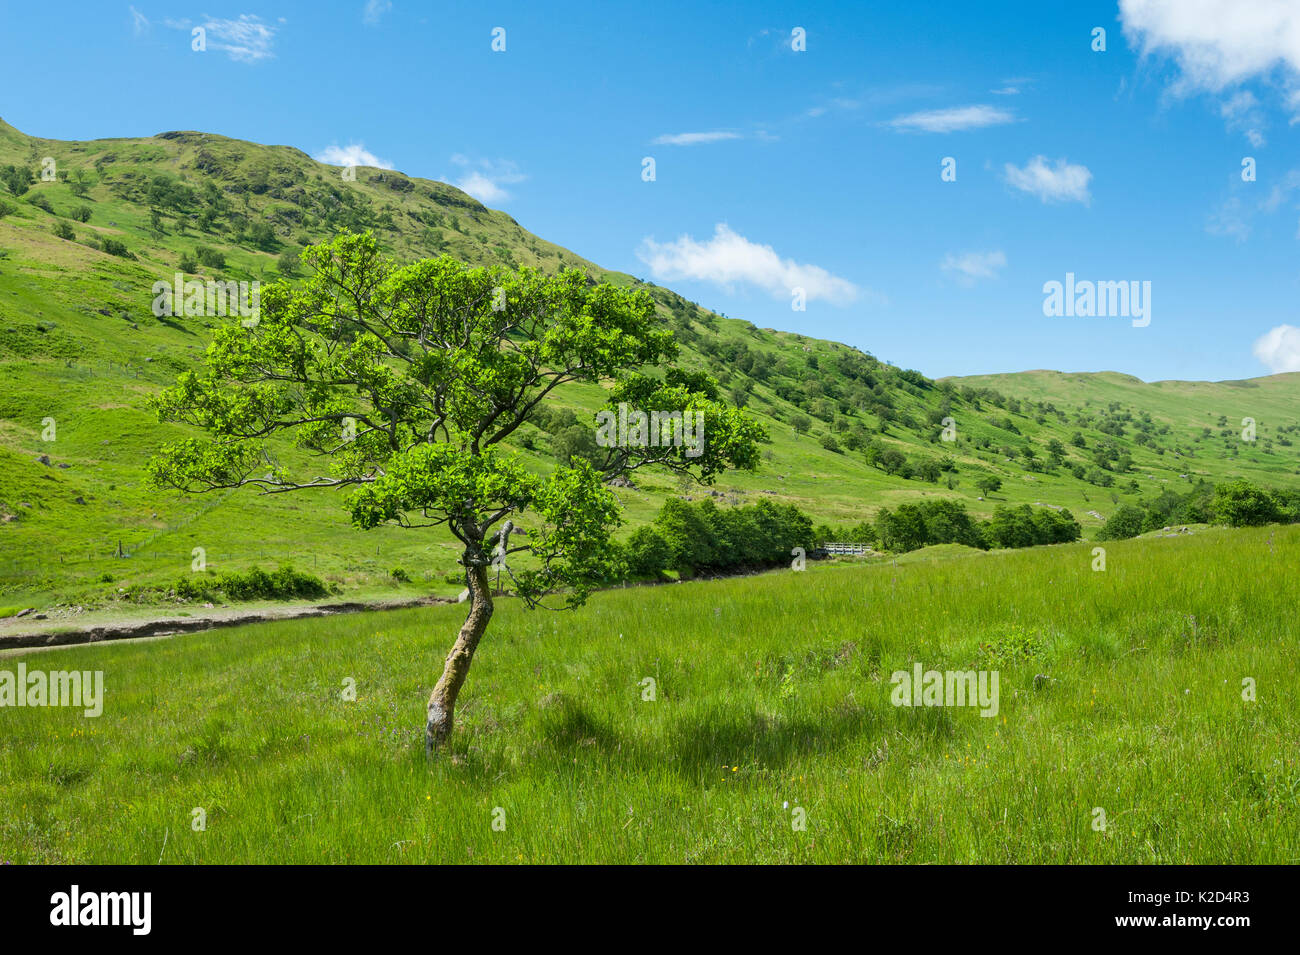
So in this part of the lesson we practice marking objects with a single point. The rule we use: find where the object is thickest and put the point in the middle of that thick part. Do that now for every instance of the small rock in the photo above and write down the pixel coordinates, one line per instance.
(44, 459)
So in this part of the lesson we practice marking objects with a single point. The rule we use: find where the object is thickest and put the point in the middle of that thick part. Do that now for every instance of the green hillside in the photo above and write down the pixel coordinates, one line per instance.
(81, 351)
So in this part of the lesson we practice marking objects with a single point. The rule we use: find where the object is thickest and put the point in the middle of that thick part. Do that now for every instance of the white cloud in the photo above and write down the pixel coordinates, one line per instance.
(353, 154)
(969, 267)
(485, 179)
(951, 120)
(1279, 349)
(1060, 182)
(482, 188)
(375, 10)
(729, 258)
(1217, 43)
(693, 139)
(246, 40)
(1242, 113)
(139, 22)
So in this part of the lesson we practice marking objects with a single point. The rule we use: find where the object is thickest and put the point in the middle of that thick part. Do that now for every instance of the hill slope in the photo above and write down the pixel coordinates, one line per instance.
(81, 351)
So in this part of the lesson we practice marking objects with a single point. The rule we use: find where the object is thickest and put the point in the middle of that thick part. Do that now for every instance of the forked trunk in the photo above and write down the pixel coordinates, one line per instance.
(442, 702)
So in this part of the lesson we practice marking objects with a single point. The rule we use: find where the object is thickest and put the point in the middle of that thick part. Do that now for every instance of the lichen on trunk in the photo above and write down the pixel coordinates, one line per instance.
(442, 702)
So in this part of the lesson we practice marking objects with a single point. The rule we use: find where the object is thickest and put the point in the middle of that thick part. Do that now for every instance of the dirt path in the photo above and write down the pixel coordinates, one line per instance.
(25, 632)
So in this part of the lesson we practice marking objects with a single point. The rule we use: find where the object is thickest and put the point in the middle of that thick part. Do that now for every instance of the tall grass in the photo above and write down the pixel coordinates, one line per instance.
(1120, 691)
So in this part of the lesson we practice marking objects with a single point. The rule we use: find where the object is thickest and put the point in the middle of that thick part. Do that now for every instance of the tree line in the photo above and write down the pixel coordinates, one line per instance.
(1239, 503)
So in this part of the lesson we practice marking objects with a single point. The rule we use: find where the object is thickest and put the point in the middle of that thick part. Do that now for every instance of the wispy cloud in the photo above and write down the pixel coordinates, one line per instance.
(1229, 220)
(1279, 349)
(1060, 181)
(246, 40)
(1012, 86)
(375, 10)
(1281, 191)
(139, 22)
(728, 259)
(954, 119)
(486, 179)
(1242, 113)
(694, 139)
(1235, 216)
(353, 154)
(970, 267)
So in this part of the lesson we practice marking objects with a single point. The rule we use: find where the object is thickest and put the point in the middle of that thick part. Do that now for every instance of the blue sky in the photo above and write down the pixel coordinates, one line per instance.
(778, 168)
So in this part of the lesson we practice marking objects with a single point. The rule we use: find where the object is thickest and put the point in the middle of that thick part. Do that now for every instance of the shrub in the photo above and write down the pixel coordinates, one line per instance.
(704, 538)
(253, 584)
(64, 231)
(210, 257)
(16, 178)
(1126, 522)
(1024, 526)
(647, 553)
(1243, 504)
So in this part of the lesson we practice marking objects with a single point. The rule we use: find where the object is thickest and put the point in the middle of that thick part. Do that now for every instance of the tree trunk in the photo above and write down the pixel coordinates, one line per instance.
(442, 702)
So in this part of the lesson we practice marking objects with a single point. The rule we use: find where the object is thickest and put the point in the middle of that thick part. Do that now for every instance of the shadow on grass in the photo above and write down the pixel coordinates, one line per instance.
(699, 745)
(770, 741)
(703, 744)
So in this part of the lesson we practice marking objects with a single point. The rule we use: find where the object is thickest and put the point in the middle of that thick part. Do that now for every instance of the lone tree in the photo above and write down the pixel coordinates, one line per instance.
(403, 382)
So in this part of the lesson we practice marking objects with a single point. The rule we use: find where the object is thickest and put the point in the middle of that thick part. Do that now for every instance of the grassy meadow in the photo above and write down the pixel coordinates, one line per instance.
(1120, 690)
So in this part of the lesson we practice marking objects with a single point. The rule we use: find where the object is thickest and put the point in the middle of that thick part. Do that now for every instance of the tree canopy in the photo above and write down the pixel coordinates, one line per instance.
(403, 383)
